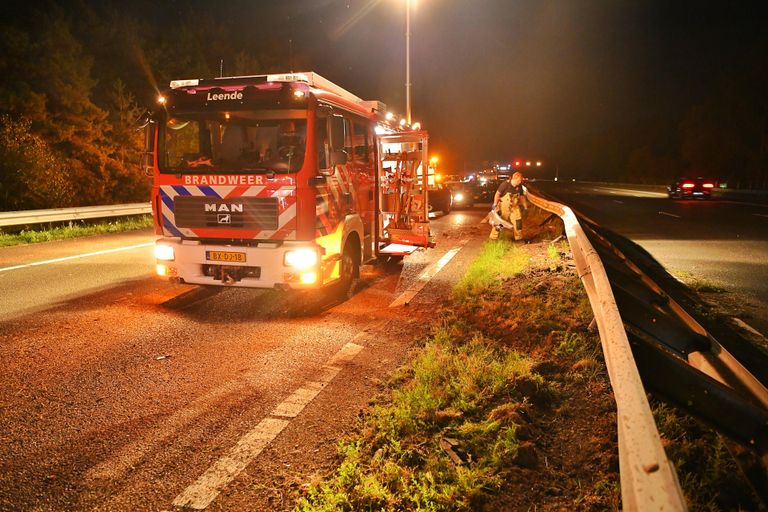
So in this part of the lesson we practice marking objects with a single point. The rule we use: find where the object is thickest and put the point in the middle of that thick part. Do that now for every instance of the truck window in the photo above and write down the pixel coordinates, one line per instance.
(361, 142)
(240, 142)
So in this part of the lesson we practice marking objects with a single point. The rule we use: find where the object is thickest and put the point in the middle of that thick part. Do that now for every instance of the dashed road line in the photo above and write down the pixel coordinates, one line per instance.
(760, 215)
(425, 276)
(206, 488)
(617, 201)
(77, 256)
(671, 215)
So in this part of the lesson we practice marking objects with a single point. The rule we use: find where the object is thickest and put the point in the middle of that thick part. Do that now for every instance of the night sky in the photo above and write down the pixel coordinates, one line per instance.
(504, 79)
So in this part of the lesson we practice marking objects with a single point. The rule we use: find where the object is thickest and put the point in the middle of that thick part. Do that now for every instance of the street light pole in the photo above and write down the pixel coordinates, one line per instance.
(408, 60)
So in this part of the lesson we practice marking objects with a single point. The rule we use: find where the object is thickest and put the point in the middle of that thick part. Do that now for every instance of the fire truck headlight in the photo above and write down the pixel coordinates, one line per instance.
(164, 252)
(458, 196)
(301, 258)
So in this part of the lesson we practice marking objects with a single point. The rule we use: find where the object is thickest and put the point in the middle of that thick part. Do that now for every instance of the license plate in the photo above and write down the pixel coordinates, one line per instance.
(228, 257)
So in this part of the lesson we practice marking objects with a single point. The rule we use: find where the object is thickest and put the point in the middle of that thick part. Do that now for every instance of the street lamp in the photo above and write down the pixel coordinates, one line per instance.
(408, 60)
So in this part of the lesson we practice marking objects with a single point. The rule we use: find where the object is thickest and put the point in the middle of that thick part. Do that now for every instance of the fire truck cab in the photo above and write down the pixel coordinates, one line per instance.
(281, 181)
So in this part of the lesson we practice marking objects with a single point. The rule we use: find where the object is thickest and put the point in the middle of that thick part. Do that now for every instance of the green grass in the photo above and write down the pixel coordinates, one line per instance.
(554, 256)
(708, 474)
(74, 230)
(460, 392)
(447, 431)
(498, 259)
(698, 284)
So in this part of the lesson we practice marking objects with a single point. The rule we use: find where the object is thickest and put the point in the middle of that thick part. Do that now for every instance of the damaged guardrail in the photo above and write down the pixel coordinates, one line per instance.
(27, 217)
(648, 478)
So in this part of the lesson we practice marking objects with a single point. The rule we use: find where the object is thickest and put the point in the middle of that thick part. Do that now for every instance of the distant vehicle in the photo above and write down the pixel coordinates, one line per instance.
(486, 189)
(464, 194)
(691, 188)
(440, 198)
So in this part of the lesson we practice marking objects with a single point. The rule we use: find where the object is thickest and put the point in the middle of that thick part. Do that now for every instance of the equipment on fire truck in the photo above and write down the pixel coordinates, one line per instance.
(403, 222)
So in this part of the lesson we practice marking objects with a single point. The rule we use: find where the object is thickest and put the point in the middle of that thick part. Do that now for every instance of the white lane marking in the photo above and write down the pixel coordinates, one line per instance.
(206, 488)
(617, 201)
(425, 276)
(130, 455)
(670, 215)
(200, 494)
(760, 215)
(76, 256)
(744, 325)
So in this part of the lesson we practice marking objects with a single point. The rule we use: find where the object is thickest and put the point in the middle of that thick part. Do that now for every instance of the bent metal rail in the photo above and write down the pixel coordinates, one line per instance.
(28, 217)
(648, 478)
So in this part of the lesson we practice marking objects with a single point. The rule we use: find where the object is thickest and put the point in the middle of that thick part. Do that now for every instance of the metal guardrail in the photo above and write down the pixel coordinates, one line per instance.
(648, 478)
(27, 217)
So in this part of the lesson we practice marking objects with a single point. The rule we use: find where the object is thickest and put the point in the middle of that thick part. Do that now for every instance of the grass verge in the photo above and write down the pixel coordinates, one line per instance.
(75, 230)
(471, 422)
(507, 406)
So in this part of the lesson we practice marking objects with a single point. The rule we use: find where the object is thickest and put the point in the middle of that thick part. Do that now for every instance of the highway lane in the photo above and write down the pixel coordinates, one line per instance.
(34, 277)
(121, 394)
(722, 242)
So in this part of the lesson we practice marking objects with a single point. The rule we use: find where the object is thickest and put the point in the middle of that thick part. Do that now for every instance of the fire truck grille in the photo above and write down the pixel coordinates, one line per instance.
(242, 212)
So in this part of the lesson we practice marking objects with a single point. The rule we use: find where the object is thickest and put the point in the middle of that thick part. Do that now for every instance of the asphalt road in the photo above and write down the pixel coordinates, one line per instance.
(120, 391)
(718, 241)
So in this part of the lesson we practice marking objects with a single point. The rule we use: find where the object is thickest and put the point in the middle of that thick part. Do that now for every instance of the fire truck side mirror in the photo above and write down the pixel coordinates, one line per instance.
(148, 157)
(337, 133)
(338, 156)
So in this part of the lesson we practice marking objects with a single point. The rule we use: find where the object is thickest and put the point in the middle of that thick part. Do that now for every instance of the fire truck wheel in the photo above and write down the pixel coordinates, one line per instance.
(349, 271)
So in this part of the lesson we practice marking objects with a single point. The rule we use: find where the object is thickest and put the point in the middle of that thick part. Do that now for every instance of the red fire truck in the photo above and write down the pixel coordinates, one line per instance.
(282, 181)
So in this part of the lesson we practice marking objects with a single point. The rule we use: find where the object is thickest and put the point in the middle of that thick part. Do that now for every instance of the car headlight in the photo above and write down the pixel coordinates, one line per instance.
(164, 252)
(458, 196)
(300, 258)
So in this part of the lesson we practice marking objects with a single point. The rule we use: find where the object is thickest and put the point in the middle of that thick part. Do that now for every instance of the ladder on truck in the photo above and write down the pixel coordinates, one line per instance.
(403, 207)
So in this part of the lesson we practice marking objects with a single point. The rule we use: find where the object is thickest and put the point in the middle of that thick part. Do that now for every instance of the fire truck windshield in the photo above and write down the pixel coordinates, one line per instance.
(237, 142)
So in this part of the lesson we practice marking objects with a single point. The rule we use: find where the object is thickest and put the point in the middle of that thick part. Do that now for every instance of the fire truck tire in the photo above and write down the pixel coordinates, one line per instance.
(349, 270)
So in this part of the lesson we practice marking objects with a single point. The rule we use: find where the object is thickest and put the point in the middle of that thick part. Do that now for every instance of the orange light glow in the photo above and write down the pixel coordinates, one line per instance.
(308, 277)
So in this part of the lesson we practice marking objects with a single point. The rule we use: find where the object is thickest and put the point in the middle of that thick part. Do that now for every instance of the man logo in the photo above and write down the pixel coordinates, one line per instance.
(224, 218)
(234, 207)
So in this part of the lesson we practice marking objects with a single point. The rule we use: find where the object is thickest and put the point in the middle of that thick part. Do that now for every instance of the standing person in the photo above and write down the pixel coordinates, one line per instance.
(511, 197)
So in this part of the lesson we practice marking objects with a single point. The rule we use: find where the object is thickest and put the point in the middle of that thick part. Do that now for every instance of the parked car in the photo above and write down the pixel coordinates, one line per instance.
(464, 194)
(440, 198)
(691, 188)
(487, 189)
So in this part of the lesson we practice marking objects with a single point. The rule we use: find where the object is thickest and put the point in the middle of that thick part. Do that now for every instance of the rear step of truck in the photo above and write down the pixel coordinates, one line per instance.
(397, 249)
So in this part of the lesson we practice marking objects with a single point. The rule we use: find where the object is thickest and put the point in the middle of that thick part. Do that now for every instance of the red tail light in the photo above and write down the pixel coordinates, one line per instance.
(708, 185)
(687, 185)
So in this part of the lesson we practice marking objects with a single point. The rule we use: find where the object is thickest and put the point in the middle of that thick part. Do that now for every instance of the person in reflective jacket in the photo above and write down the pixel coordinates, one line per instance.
(510, 202)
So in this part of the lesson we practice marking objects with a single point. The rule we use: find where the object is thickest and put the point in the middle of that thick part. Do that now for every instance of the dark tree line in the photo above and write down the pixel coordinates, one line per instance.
(75, 75)
(74, 80)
